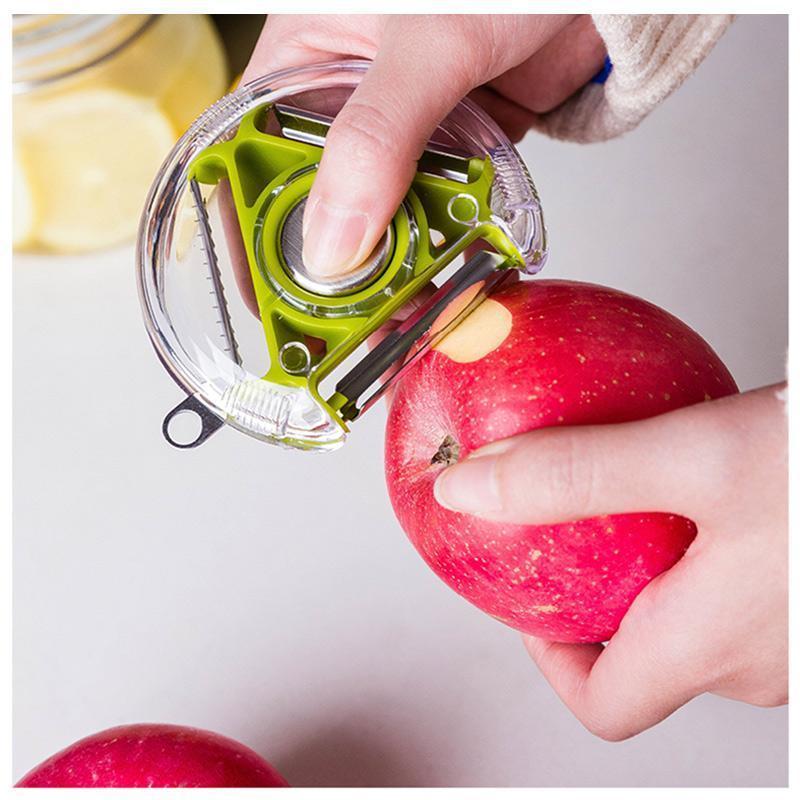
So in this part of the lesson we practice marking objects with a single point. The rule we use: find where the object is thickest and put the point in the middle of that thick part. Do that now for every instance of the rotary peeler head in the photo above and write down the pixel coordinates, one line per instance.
(254, 339)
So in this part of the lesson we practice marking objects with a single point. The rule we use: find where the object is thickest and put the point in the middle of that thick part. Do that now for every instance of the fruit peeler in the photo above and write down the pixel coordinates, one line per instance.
(221, 237)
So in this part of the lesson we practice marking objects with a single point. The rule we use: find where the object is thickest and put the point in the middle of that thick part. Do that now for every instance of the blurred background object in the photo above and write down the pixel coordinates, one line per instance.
(239, 34)
(98, 101)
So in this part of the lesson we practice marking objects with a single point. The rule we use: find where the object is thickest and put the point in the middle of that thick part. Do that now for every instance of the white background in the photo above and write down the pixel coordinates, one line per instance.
(271, 596)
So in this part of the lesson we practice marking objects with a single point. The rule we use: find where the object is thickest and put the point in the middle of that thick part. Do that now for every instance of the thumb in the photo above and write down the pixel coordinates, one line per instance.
(372, 149)
(671, 463)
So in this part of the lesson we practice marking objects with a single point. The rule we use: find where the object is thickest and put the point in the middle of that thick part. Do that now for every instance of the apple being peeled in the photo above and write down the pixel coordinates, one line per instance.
(537, 354)
(157, 756)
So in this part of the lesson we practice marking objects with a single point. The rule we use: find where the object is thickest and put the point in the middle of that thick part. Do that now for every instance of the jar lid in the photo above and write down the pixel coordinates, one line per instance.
(50, 47)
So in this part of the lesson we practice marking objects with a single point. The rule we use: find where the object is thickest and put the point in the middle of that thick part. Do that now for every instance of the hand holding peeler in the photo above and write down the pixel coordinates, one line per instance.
(297, 374)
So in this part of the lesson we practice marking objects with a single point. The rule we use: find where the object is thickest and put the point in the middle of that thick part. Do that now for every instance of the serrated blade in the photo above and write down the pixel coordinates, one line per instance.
(217, 290)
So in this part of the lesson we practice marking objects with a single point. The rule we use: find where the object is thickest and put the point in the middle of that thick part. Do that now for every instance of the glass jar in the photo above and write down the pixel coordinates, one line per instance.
(98, 102)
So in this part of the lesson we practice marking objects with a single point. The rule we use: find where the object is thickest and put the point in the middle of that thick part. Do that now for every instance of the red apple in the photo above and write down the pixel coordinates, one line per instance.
(536, 354)
(158, 756)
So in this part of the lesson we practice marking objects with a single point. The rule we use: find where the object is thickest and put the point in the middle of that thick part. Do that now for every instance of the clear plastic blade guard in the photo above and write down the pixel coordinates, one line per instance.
(219, 269)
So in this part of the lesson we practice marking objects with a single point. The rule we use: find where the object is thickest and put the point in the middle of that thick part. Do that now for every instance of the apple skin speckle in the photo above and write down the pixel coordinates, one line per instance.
(154, 756)
(585, 574)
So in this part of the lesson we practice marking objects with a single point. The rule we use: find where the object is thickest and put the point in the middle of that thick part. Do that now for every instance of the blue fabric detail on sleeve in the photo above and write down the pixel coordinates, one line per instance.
(602, 76)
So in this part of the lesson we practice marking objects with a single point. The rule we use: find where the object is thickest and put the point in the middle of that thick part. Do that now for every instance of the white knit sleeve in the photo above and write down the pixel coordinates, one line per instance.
(652, 55)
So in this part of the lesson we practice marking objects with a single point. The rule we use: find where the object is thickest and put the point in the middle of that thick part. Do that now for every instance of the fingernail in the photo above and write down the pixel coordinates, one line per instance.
(334, 236)
(308, 212)
(469, 486)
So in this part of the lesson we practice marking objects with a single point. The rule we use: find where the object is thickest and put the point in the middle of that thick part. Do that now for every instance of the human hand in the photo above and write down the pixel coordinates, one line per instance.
(717, 621)
(518, 65)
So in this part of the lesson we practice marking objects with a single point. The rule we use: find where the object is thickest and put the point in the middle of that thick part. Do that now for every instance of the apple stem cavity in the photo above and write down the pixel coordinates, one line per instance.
(448, 452)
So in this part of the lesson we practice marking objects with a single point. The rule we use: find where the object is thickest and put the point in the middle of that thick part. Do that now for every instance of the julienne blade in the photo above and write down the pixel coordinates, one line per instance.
(218, 291)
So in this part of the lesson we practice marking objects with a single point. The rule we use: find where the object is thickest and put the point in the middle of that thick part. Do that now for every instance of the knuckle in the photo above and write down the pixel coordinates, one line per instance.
(604, 726)
(517, 129)
(560, 469)
(607, 718)
(461, 46)
(737, 687)
(366, 133)
(568, 474)
(763, 693)
(722, 464)
(769, 698)
(543, 97)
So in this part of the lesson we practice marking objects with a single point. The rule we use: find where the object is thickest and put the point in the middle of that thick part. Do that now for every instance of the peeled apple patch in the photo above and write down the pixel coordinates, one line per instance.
(484, 330)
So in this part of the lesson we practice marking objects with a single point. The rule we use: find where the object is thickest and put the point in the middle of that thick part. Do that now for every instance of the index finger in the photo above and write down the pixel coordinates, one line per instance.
(423, 67)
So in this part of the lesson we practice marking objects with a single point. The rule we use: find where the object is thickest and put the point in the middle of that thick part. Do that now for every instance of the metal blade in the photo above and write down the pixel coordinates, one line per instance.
(312, 128)
(489, 268)
(217, 290)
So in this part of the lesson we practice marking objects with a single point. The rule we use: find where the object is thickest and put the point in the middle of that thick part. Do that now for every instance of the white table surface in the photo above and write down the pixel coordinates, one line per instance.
(272, 596)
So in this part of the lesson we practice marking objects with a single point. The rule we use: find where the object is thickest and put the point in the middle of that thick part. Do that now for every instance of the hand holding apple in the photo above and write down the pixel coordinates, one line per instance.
(716, 621)
(543, 354)
(555, 457)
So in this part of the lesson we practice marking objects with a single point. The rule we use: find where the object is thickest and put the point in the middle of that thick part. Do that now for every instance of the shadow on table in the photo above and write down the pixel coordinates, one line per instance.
(348, 755)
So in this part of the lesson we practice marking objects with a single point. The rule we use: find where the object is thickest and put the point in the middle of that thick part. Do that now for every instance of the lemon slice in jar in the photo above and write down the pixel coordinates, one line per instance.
(91, 158)
(22, 211)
